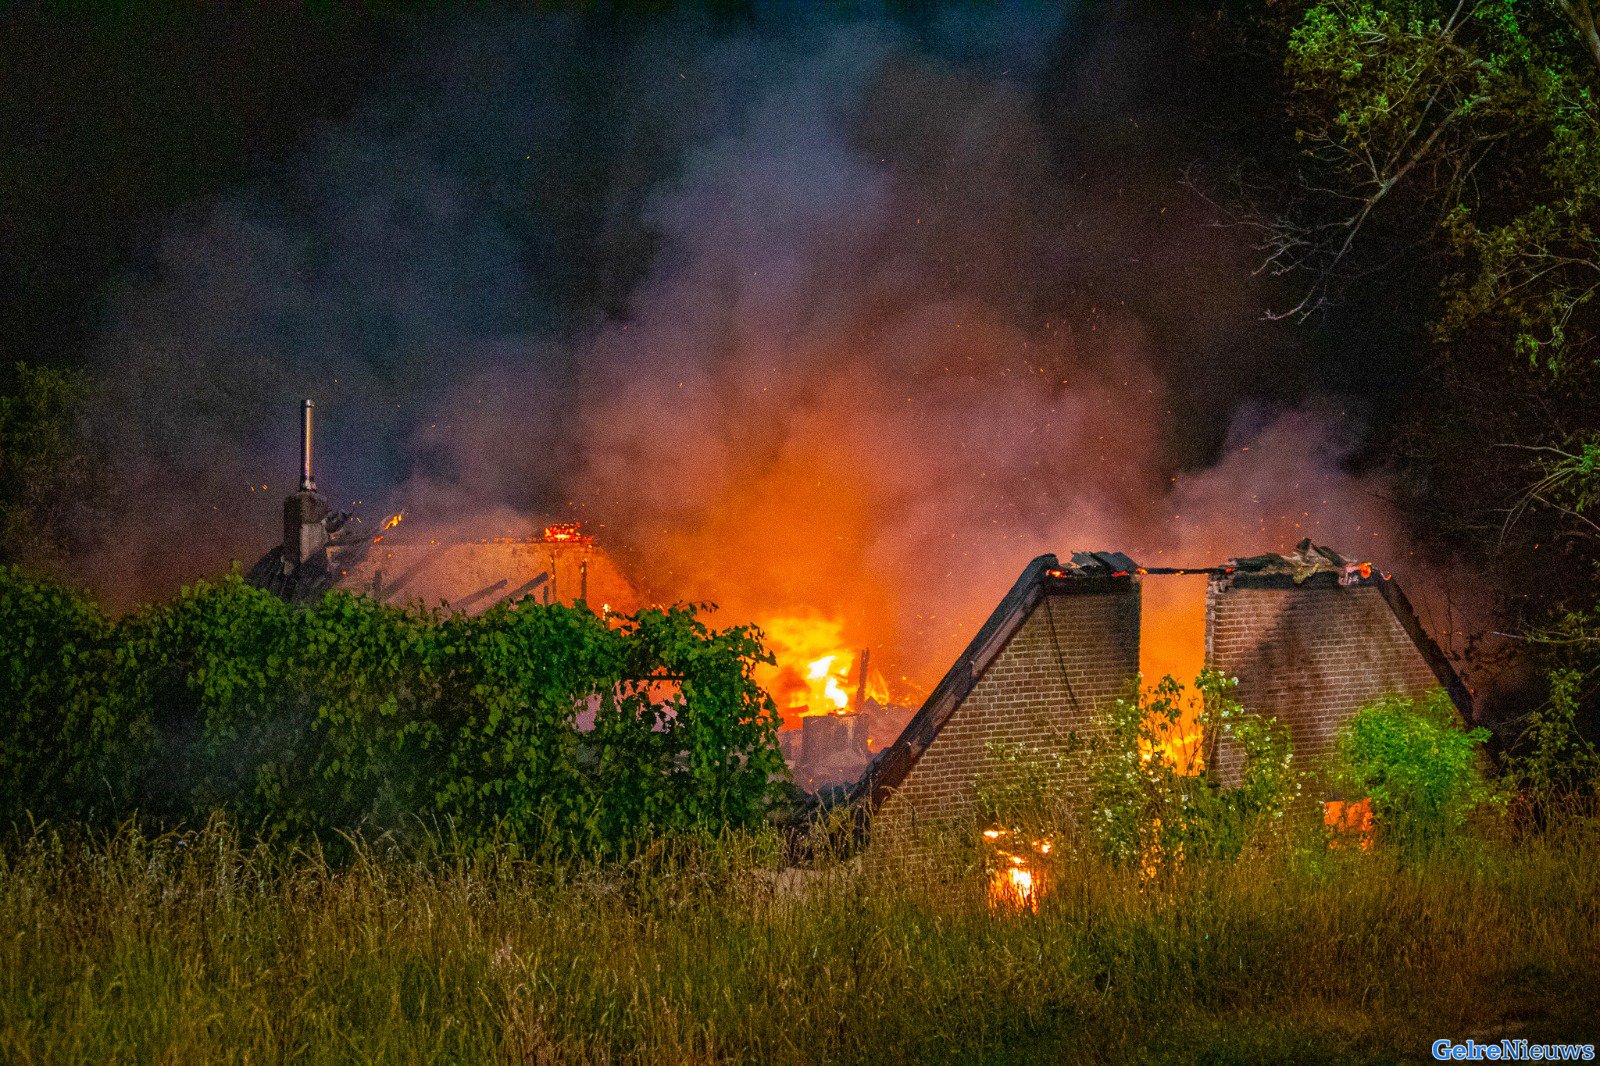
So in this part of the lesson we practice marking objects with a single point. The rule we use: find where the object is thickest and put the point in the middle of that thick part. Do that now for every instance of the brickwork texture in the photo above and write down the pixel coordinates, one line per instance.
(1024, 699)
(1309, 657)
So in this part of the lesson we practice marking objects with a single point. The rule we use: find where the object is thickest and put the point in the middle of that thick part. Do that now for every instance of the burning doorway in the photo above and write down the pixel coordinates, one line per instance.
(1172, 643)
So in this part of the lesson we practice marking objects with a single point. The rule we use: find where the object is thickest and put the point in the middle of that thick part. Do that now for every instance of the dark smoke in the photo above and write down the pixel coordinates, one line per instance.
(836, 315)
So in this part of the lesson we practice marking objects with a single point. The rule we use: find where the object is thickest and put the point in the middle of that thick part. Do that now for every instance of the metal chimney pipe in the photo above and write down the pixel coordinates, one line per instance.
(307, 482)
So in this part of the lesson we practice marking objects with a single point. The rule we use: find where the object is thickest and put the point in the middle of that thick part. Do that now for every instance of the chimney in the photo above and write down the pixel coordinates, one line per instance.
(307, 482)
(305, 527)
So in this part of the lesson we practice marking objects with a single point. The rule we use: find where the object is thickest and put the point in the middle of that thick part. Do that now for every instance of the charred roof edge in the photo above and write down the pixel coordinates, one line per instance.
(1088, 572)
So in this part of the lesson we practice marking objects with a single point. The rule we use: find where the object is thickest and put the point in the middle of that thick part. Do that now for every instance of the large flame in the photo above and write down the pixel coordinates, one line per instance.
(817, 671)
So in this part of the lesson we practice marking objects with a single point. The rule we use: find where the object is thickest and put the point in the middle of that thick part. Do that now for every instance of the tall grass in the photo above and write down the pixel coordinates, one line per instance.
(198, 947)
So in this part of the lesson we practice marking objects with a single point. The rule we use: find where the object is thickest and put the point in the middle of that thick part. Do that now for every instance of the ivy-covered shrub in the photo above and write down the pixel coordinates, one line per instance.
(68, 749)
(1146, 807)
(534, 725)
(1415, 763)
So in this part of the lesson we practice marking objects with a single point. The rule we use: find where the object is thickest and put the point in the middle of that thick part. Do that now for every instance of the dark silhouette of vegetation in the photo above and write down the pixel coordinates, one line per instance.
(348, 714)
(1460, 143)
(49, 483)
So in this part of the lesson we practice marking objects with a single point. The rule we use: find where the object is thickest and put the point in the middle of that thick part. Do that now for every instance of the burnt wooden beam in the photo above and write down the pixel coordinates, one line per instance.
(1432, 654)
(514, 596)
(488, 590)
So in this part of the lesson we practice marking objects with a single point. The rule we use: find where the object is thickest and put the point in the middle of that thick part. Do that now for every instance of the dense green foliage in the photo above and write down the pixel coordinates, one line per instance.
(65, 750)
(1150, 804)
(349, 713)
(194, 947)
(1552, 757)
(1421, 771)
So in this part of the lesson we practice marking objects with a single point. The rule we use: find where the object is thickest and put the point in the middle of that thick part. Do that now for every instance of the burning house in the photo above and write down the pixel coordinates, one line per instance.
(324, 549)
(1310, 637)
(837, 709)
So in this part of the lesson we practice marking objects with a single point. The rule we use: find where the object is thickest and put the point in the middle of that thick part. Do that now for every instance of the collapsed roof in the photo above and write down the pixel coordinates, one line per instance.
(455, 570)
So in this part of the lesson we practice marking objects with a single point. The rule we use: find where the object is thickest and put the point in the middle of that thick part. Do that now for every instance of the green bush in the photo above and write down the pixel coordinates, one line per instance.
(346, 713)
(1551, 757)
(66, 749)
(1145, 808)
(1418, 767)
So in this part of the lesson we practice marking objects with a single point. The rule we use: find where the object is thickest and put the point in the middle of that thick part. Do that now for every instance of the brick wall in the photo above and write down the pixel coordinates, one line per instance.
(1309, 656)
(1022, 698)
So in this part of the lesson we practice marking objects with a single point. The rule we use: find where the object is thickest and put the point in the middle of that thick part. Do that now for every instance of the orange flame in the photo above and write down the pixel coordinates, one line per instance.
(388, 524)
(1172, 643)
(1014, 881)
(815, 672)
(1349, 822)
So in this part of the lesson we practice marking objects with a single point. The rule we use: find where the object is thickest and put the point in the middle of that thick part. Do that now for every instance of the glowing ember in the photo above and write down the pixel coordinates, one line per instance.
(1015, 882)
(564, 533)
(388, 524)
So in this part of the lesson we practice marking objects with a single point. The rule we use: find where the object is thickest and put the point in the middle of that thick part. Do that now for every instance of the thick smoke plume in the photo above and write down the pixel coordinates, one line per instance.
(806, 317)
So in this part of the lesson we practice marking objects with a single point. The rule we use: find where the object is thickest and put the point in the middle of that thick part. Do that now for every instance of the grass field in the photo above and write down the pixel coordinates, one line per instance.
(190, 948)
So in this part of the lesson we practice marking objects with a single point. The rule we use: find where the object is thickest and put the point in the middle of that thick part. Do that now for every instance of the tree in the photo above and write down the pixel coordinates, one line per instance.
(47, 474)
(1470, 125)
(1462, 138)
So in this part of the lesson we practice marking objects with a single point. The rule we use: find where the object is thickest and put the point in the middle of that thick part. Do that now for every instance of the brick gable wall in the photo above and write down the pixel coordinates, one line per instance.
(1309, 656)
(1022, 699)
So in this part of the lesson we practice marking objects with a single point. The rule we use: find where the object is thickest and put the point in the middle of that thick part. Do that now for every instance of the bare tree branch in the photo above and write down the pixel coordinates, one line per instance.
(1581, 15)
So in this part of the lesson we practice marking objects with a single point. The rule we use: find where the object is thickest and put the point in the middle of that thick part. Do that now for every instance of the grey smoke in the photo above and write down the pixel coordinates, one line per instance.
(814, 313)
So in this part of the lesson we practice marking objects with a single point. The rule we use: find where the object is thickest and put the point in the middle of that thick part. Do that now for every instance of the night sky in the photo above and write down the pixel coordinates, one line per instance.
(209, 215)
